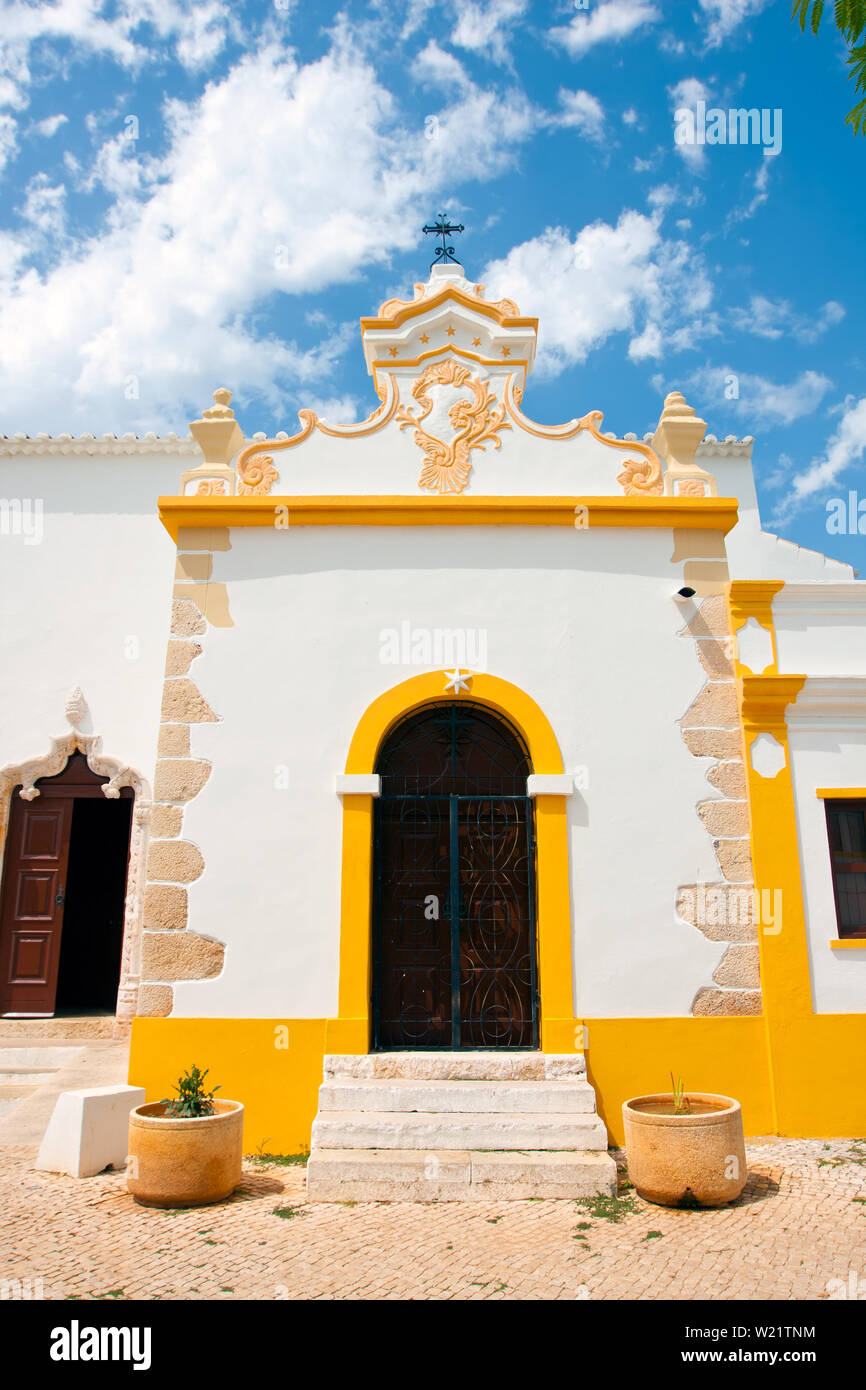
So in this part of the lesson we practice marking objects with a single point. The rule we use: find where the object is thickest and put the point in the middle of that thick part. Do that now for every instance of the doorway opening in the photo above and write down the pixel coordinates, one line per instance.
(63, 896)
(454, 951)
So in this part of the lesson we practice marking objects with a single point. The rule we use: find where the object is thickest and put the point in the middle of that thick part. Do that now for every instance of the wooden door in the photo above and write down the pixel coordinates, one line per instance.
(31, 912)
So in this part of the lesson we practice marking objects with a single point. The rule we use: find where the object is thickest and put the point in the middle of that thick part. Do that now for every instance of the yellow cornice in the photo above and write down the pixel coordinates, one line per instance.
(753, 598)
(413, 308)
(843, 793)
(765, 699)
(706, 513)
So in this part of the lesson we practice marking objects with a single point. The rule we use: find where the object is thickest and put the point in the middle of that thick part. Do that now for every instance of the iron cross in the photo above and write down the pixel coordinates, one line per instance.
(443, 228)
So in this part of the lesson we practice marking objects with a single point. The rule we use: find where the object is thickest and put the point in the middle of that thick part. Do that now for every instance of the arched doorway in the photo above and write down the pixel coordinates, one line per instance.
(63, 895)
(454, 951)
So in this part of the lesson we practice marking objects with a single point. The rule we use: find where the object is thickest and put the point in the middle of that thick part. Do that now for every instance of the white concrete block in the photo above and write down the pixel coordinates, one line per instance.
(550, 784)
(89, 1130)
(358, 784)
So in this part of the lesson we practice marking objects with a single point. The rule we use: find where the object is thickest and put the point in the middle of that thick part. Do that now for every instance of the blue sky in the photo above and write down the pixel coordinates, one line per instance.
(208, 194)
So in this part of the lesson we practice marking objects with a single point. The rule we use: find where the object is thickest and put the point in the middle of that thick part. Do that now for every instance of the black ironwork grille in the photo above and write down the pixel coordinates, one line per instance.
(454, 938)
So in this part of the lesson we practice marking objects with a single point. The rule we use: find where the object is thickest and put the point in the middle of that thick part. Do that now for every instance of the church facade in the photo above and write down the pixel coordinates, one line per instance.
(445, 731)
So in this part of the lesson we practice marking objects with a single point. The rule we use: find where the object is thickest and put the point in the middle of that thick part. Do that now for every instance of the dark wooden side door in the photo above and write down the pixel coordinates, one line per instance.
(31, 916)
(33, 892)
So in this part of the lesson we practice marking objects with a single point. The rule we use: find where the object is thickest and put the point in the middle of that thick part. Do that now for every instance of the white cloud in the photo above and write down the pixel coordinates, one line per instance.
(662, 196)
(337, 410)
(197, 29)
(8, 138)
(649, 343)
(119, 169)
(193, 244)
(758, 198)
(724, 16)
(436, 67)
(49, 126)
(630, 116)
(45, 207)
(768, 318)
(583, 112)
(844, 448)
(486, 29)
(416, 14)
(685, 96)
(605, 23)
(761, 402)
(622, 279)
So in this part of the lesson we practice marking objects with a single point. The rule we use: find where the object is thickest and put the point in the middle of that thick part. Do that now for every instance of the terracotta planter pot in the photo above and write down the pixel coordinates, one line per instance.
(184, 1163)
(674, 1159)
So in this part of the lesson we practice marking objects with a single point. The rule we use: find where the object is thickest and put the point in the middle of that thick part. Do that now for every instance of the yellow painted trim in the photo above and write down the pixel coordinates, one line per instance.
(784, 958)
(858, 944)
(843, 793)
(625, 1057)
(553, 927)
(809, 1053)
(500, 695)
(726, 1055)
(414, 308)
(753, 598)
(284, 512)
(764, 701)
(272, 1065)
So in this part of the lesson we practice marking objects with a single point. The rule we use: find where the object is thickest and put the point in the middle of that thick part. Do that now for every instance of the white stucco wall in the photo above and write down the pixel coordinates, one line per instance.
(752, 552)
(88, 605)
(821, 631)
(583, 621)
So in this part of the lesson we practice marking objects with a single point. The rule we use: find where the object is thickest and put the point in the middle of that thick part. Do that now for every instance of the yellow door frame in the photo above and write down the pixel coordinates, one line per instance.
(350, 1030)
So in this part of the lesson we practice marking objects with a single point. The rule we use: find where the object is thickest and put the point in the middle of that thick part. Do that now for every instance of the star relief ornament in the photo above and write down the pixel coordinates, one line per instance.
(457, 680)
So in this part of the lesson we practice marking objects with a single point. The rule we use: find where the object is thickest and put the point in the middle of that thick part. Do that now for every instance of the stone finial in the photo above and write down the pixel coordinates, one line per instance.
(76, 707)
(219, 436)
(679, 431)
(217, 433)
(678, 434)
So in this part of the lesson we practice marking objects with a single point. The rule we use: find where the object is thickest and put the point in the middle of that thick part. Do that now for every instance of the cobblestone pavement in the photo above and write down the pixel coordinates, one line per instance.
(799, 1226)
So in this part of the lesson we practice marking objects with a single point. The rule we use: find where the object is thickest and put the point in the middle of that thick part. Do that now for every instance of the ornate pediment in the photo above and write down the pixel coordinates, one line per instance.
(449, 314)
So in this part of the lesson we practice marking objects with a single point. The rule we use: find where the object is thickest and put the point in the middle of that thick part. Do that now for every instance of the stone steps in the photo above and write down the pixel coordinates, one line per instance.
(456, 1066)
(77, 1027)
(408, 1175)
(365, 1129)
(400, 1094)
(452, 1126)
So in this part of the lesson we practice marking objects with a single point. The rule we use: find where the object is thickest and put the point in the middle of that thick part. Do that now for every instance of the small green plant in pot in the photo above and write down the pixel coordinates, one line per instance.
(192, 1098)
(186, 1151)
(681, 1101)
